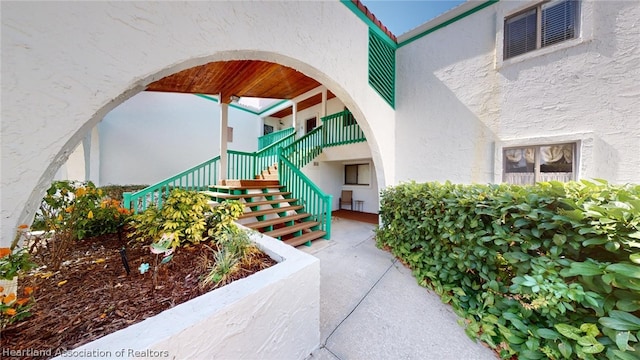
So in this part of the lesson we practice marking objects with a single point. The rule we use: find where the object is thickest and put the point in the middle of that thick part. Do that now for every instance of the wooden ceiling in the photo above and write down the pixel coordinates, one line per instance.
(249, 78)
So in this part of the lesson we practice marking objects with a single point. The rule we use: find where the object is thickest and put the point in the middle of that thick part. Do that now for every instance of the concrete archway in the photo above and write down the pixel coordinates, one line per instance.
(61, 78)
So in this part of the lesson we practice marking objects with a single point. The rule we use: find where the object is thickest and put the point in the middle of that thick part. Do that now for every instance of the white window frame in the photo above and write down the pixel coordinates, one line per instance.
(504, 10)
(583, 151)
(538, 175)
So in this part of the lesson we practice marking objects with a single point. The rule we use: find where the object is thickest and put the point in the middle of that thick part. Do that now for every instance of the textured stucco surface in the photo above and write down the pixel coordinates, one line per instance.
(458, 102)
(273, 314)
(59, 78)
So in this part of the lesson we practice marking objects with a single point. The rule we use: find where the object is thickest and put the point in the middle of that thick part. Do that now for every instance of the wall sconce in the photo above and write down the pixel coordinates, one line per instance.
(235, 98)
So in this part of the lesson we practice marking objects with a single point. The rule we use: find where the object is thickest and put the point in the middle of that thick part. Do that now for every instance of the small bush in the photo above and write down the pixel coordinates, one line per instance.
(187, 217)
(547, 271)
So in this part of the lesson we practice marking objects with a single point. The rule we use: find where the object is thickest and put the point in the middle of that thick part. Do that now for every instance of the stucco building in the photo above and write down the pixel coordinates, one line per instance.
(490, 91)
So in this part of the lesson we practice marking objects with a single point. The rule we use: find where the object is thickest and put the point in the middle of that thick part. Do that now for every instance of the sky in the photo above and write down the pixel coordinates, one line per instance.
(404, 15)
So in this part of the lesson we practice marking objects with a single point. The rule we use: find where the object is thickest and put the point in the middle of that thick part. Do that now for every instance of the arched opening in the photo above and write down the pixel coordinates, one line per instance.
(142, 84)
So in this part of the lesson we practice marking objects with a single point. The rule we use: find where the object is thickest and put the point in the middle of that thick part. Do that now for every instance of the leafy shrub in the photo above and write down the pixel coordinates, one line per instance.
(74, 211)
(187, 217)
(79, 208)
(543, 271)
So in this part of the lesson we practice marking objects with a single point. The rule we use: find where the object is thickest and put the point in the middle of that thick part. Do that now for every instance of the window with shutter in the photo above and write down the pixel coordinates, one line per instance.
(543, 25)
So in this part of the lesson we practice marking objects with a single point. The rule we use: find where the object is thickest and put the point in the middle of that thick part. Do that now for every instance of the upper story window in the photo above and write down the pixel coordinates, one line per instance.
(531, 164)
(543, 25)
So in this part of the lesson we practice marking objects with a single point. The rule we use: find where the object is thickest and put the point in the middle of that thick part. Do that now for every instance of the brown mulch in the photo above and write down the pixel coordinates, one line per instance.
(92, 295)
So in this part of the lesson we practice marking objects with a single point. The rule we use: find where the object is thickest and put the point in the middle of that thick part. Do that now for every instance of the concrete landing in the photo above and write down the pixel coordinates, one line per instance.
(371, 307)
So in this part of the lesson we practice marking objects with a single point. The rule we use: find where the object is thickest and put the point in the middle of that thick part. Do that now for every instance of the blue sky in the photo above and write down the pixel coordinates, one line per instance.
(404, 15)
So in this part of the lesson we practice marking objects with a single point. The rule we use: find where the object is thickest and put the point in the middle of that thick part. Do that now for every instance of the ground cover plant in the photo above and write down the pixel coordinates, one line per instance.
(544, 271)
(103, 281)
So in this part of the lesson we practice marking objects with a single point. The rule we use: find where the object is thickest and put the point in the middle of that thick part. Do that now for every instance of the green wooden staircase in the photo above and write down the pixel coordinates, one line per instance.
(280, 200)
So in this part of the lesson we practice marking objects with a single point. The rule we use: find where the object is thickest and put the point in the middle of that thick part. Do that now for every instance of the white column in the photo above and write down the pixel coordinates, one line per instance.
(94, 157)
(294, 116)
(224, 123)
(323, 107)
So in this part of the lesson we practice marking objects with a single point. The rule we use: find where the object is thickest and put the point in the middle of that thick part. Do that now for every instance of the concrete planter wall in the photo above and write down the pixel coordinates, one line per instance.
(273, 314)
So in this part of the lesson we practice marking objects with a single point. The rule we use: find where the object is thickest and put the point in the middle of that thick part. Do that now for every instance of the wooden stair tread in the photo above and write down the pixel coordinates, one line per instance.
(269, 202)
(270, 211)
(291, 229)
(244, 196)
(280, 220)
(246, 187)
(299, 240)
(249, 182)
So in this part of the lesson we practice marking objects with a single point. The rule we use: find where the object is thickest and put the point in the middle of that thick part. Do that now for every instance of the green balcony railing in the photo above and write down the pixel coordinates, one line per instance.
(341, 129)
(197, 178)
(315, 201)
(266, 140)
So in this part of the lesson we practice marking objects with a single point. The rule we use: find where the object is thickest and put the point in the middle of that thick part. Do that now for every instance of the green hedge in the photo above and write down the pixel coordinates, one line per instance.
(545, 271)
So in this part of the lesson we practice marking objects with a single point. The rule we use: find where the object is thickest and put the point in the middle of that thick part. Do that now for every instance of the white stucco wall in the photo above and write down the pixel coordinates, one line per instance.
(155, 135)
(60, 78)
(457, 102)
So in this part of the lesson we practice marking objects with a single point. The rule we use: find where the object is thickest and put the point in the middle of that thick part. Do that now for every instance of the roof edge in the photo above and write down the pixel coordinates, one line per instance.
(447, 18)
(370, 19)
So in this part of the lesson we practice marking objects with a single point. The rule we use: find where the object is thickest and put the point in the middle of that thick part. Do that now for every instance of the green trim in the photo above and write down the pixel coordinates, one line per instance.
(448, 22)
(242, 107)
(372, 26)
(273, 106)
(354, 8)
(231, 105)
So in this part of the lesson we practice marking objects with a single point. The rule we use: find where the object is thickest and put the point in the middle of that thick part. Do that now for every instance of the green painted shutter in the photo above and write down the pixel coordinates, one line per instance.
(382, 67)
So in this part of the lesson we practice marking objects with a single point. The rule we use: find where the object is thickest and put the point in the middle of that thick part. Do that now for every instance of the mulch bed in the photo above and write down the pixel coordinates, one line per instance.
(92, 295)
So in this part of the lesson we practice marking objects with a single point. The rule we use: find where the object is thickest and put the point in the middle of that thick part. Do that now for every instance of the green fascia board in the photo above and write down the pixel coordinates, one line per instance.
(448, 22)
(273, 106)
(354, 8)
(243, 108)
(351, 6)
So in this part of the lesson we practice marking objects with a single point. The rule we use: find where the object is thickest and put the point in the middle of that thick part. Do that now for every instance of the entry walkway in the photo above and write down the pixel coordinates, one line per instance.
(371, 307)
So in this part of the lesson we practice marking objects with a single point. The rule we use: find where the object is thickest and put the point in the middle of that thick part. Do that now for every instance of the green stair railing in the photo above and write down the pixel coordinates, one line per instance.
(315, 201)
(197, 178)
(244, 165)
(305, 149)
(240, 165)
(284, 149)
(266, 140)
(336, 129)
(341, 129)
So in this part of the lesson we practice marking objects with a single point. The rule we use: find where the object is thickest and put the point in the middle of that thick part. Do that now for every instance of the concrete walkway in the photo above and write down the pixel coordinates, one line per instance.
(371, 307)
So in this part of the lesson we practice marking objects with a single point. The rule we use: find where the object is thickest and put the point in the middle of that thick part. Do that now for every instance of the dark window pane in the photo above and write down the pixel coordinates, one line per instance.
(520, 34)
(556, 158)
(559, 22)
(351, 174)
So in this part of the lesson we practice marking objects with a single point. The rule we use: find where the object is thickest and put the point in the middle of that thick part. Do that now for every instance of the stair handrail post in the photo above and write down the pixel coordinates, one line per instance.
(279, 153)
(126, 200)
(329, 204)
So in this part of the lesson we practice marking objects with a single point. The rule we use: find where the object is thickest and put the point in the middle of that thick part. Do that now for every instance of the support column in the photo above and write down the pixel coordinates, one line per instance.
(224, 124)
(294, 116)
(323, 107)
(94, 158)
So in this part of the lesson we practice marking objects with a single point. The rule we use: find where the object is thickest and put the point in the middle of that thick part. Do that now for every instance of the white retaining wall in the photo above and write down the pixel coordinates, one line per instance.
(272, 314)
